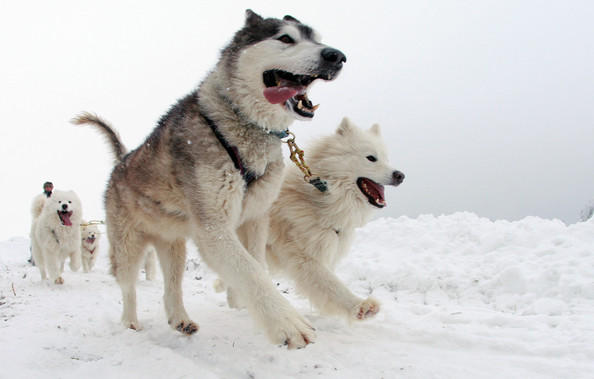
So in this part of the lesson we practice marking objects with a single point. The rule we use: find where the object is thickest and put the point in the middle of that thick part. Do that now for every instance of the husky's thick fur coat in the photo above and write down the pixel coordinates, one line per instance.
(312, 231)
(210, 171)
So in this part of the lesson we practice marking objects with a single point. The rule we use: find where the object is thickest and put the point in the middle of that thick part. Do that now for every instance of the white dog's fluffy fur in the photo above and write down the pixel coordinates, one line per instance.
(311, 231)
(89, 247)
(55, 235)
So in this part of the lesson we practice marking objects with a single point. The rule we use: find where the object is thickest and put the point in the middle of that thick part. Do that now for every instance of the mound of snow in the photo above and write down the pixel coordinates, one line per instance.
(462, 296)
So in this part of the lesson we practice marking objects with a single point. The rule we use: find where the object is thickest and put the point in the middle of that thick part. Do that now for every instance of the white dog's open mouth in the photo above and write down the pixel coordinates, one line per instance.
(65, 217)
(373, 191)
(285, 88)
(90, 240)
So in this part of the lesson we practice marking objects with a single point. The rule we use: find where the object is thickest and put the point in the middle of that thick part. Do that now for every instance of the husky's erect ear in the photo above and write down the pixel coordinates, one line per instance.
(375, 129)
(252, 18)
(345, 127)
(291, 19)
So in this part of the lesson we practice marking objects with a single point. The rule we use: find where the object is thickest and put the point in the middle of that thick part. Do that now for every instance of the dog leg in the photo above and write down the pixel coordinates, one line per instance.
(92, 261)
(38, 257)
(150, 264)
(172, 256)
(252, 235)
(222, 250)
(327, 292)
(85, 264)
(75, 260)
(53, 266)
(125, 266)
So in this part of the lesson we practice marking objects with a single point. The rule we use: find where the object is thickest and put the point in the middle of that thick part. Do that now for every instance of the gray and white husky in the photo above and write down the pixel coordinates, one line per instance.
(210, 171)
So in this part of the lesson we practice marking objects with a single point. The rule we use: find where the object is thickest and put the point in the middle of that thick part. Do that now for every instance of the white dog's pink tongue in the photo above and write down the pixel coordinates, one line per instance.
(65, 217)
(278, 95)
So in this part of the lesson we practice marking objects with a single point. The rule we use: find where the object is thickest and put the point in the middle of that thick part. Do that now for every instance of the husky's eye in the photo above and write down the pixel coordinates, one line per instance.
(285, 38)
(371, 158)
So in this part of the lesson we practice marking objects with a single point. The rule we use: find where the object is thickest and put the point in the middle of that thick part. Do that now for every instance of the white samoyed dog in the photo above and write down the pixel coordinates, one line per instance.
(312, 231)
(56, 235)
(89, 247)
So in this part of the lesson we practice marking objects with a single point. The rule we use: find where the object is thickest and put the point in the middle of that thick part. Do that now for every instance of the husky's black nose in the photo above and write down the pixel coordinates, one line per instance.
(398, 177)
(64, 206)
(333, 56)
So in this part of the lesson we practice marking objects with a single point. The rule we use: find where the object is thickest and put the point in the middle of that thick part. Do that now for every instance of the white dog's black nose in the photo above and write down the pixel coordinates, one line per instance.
(398, 177)
(64, 206)
(333, 55)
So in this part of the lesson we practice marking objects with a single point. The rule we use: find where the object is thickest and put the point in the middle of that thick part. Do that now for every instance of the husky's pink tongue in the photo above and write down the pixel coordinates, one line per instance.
(278, 95)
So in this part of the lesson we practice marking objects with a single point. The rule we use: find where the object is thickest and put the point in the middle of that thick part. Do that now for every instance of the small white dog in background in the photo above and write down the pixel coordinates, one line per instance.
(150, 263)
(56, 235)
(89, 249)
(312, 231)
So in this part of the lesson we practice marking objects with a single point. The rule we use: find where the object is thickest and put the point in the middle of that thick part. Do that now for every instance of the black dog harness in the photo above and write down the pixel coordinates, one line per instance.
(248, 176)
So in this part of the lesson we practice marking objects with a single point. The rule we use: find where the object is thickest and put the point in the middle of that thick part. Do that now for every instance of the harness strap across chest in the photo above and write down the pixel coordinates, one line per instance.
(248, 176)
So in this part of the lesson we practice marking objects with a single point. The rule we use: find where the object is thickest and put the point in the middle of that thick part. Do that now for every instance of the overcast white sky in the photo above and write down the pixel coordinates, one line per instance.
(487, 106)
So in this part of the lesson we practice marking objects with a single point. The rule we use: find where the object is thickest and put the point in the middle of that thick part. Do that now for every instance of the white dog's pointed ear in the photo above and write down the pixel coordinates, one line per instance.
(375, 129)
(345, 127)
(251, 17)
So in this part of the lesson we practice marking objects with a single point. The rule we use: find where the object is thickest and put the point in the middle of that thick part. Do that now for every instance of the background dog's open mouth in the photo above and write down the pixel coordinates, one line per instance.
(65, 217)
(373, 191)
(90, 239)
(284, 87)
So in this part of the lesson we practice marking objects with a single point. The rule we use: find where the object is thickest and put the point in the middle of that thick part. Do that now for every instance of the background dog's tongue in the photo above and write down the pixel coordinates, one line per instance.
(277, 95)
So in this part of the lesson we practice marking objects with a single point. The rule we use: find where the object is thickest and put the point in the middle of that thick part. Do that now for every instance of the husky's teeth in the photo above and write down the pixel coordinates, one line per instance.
(300, 104)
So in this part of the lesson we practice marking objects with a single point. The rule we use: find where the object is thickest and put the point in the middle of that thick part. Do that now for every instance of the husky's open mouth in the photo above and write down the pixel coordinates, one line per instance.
(373, 191)
(282, 87)
(65, 217)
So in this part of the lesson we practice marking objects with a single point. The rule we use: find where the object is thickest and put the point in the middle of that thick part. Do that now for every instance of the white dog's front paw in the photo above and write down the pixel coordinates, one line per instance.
(187, 327)
(294, 332)
(134, 325)
(368, 308)
(59, 280)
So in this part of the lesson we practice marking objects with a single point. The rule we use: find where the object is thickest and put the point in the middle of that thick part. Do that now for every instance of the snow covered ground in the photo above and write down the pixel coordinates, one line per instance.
(463, 297)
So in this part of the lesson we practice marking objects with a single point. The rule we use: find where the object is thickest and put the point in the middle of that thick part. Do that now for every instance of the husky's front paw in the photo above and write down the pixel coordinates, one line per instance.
(368, 308)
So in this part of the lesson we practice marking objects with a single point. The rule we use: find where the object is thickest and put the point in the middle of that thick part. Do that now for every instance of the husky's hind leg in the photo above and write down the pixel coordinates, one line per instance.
(172, 256)
(125, 263)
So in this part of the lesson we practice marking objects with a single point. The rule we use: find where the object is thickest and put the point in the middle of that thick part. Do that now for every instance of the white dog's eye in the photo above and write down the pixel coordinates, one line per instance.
(285, 38)
(371, 158)
(59, 201)
(69, 202)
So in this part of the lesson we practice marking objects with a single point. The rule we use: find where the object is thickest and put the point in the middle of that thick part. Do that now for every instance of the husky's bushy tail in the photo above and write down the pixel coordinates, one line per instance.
(111, 135)
(118, 149)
